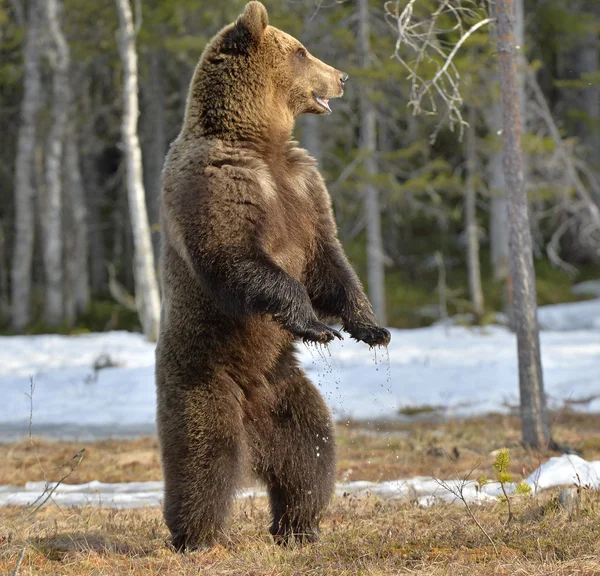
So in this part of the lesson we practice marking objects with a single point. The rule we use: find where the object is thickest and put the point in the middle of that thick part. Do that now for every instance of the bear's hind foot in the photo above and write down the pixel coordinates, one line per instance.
(286, 536)
(183, 543)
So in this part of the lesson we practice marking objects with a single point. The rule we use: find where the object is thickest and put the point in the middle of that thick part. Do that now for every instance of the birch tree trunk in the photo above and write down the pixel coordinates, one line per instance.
(147, 296)
(534, 414)
(368, 144)
(58, 55)
(24, 171)
(472, 229)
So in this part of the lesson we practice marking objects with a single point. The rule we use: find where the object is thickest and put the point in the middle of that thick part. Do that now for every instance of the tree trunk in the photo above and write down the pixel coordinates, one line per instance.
(24, 182)
(78, 260)
(58, 56)
(147, 296)
(4, 295)
(155, 143)
(521, 66)
(368, 144)
(534, 414)
(311, 136)
(497, 188)
(471, 226)
(498, 205)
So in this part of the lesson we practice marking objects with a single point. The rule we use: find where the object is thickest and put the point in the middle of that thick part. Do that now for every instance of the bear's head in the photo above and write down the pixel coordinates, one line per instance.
(254, 79)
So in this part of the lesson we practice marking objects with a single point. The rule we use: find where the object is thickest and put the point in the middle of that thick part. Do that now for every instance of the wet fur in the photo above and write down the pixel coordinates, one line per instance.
(250, 261)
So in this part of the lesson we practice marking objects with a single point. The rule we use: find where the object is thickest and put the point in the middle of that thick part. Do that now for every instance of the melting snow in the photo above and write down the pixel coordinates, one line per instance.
(559, 471)
(464, 371)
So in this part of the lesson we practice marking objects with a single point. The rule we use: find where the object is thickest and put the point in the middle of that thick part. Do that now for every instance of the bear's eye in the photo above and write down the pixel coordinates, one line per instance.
(301, 53)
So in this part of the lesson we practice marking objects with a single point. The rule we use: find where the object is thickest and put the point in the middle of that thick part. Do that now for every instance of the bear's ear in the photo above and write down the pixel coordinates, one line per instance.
(254, 21)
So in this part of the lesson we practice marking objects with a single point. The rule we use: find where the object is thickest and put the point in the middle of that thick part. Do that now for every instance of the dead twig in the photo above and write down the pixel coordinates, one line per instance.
(21, 556)
(49, 487)
(459, 493)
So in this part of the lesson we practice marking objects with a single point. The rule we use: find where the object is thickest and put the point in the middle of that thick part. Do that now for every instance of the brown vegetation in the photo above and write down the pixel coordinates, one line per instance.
(359, 535)
(375, 452)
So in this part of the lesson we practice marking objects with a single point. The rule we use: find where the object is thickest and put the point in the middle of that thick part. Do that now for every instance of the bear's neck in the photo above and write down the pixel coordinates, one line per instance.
(252, 116)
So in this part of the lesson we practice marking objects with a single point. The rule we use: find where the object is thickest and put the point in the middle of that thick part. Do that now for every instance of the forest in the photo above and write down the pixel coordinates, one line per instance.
(418, 191)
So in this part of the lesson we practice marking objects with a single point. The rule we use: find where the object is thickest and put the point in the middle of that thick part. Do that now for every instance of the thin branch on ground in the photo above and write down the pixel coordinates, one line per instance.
(21, 556)
(49, 487)
(458, 491)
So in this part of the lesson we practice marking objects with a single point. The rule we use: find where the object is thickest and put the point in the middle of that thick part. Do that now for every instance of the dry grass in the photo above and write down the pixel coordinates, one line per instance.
(365, 535)
(365, 452)
(360, 536)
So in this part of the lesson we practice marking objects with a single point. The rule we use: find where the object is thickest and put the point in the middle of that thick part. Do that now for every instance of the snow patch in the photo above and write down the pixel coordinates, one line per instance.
(571, 316)
(559, 471)
(465, 371)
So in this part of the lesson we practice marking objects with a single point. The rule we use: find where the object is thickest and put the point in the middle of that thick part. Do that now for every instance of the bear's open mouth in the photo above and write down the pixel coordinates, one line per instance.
(322, 102)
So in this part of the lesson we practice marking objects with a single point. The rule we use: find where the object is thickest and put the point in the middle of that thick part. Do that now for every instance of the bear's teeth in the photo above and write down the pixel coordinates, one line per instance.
(323, 102)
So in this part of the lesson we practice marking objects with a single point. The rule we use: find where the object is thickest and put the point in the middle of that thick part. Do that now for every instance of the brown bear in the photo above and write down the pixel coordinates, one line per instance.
(250, 262)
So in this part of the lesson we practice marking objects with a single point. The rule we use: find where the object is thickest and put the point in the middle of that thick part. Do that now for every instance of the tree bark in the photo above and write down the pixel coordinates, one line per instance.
(498, 205)
(58, 56)
(368, 145)
(311, 136)
(472, 229)
(147, 295)
(534, 414)
(24, 181)
(499, 251)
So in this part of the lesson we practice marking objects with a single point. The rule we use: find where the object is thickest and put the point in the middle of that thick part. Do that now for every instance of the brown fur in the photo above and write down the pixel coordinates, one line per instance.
(250, 256)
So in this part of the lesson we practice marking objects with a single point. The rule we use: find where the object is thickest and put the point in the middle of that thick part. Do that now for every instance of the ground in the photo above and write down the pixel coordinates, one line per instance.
(400, 415)
(365, 535)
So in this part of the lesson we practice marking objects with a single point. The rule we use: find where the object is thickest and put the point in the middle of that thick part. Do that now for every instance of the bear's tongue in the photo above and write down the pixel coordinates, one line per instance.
(323, 102)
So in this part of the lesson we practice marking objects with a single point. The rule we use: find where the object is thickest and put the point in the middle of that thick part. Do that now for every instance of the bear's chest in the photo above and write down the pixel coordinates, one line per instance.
(293, 226)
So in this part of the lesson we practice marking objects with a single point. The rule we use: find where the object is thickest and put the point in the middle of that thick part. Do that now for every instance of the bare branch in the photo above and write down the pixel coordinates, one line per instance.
(21, 556)
(424, 37)
(571, 169)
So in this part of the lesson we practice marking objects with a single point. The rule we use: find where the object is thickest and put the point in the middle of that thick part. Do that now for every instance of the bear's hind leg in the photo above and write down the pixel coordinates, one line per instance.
(202, 444)
(293, 450)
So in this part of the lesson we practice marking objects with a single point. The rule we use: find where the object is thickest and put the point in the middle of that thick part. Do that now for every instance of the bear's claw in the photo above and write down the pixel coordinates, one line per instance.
(319, 333)
(371, 335)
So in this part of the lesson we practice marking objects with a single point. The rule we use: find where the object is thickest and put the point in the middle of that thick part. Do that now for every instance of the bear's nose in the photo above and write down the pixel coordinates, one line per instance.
(344, 78)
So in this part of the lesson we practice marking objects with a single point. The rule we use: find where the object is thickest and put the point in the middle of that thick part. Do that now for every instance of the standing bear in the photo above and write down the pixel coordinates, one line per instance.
(250, 262)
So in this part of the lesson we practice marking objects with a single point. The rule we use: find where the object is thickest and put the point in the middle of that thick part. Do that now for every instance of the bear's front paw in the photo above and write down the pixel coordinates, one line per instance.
(317, 332)
(371, 335)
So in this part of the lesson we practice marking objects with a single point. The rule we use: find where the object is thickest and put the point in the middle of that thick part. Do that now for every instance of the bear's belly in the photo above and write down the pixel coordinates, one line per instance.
(292, 259)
